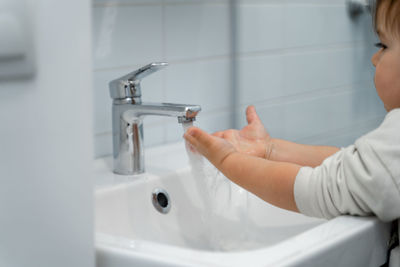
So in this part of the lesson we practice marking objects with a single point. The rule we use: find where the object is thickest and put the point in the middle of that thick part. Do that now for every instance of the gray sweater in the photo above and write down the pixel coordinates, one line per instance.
(362, 179)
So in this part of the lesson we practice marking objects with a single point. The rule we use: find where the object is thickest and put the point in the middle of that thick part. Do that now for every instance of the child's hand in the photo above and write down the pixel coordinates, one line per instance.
(252, 139)
(215, 149)
(271, 181)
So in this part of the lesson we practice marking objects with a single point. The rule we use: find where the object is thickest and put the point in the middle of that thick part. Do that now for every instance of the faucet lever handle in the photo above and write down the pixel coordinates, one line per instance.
(129, 84)
(138, 75)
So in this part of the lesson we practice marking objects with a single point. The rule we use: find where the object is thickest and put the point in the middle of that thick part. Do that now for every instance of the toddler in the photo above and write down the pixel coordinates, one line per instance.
(321, 181)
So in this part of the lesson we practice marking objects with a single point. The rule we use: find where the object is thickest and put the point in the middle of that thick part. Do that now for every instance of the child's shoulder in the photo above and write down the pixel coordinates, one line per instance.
(388, 130)
(391, 122)
(394, 114)
(382, 145)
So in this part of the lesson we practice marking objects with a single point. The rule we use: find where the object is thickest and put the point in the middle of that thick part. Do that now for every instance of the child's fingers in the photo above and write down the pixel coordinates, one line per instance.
(213, 148)
(219, 134)
(251, 115)
(189, 137)
(201, 140)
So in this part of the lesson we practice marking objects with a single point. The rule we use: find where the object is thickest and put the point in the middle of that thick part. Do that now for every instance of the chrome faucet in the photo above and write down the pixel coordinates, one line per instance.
(127, 118)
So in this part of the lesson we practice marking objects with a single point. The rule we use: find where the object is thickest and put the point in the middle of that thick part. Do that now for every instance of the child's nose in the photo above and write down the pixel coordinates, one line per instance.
(374, 59)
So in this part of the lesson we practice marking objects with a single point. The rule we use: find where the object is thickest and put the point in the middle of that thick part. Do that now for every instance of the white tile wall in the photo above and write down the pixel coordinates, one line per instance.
(296, 118)
(306, 66)
(196, 30)
(257, 27)
(192, 35)
(123, 33)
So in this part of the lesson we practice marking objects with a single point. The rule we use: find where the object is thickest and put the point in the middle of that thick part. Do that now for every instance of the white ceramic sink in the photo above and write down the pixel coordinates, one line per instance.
(216, 224)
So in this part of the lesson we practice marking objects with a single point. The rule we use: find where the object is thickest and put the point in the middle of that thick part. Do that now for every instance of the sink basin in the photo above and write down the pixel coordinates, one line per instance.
(212, 222)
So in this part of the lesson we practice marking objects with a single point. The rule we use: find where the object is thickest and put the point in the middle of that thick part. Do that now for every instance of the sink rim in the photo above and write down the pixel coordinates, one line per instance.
(323, 237)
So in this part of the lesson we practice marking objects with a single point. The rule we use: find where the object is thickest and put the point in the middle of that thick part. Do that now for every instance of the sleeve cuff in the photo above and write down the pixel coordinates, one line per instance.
(301, 185)
(303, 189)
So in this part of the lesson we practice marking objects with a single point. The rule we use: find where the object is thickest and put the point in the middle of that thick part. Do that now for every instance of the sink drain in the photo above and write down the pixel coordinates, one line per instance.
(161, 200)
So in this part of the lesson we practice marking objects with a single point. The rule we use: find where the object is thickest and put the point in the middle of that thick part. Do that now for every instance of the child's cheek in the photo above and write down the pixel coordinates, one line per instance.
(385, 82)
(378, 79)
(380, 83)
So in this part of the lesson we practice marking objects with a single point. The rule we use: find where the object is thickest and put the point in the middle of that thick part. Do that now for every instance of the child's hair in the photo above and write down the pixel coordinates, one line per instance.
(387, 12)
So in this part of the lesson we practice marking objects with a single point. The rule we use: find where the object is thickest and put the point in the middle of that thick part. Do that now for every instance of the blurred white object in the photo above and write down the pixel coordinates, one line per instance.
(11, 42)
(358, 7)
(16, 45)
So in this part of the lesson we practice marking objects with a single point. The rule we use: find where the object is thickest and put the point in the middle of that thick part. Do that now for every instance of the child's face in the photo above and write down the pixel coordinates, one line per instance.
(387, 64)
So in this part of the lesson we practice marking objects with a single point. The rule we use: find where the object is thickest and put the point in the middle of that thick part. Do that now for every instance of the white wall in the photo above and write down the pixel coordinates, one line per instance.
(306, 67)
(192, 35)
(46, 211)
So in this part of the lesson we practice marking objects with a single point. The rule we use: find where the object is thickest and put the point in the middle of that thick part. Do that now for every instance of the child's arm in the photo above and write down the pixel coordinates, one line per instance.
(254, 140)
(304, 155)
(271, 181)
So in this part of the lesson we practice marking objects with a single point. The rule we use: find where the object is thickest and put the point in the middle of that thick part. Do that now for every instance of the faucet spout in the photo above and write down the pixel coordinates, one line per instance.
(183, 112)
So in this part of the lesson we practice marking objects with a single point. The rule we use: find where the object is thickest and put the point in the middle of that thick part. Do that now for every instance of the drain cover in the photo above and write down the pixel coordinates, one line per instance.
(161, 200)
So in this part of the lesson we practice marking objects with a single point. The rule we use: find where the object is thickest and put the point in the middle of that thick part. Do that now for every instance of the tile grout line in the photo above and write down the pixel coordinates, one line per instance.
(306, 49)
(160, 3)
(164, 58)
(268, 52)
(183, 61)
(364, 124)
(321, 92)
(220, 2)
(234, 68)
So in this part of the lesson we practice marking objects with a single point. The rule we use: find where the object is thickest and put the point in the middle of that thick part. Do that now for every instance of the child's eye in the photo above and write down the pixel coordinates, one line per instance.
(380, 45)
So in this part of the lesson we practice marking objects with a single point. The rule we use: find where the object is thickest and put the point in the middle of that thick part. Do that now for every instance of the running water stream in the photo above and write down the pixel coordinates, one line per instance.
(223, 202)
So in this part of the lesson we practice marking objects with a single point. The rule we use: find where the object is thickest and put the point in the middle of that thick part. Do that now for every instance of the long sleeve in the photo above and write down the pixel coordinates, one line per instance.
(362, 179)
